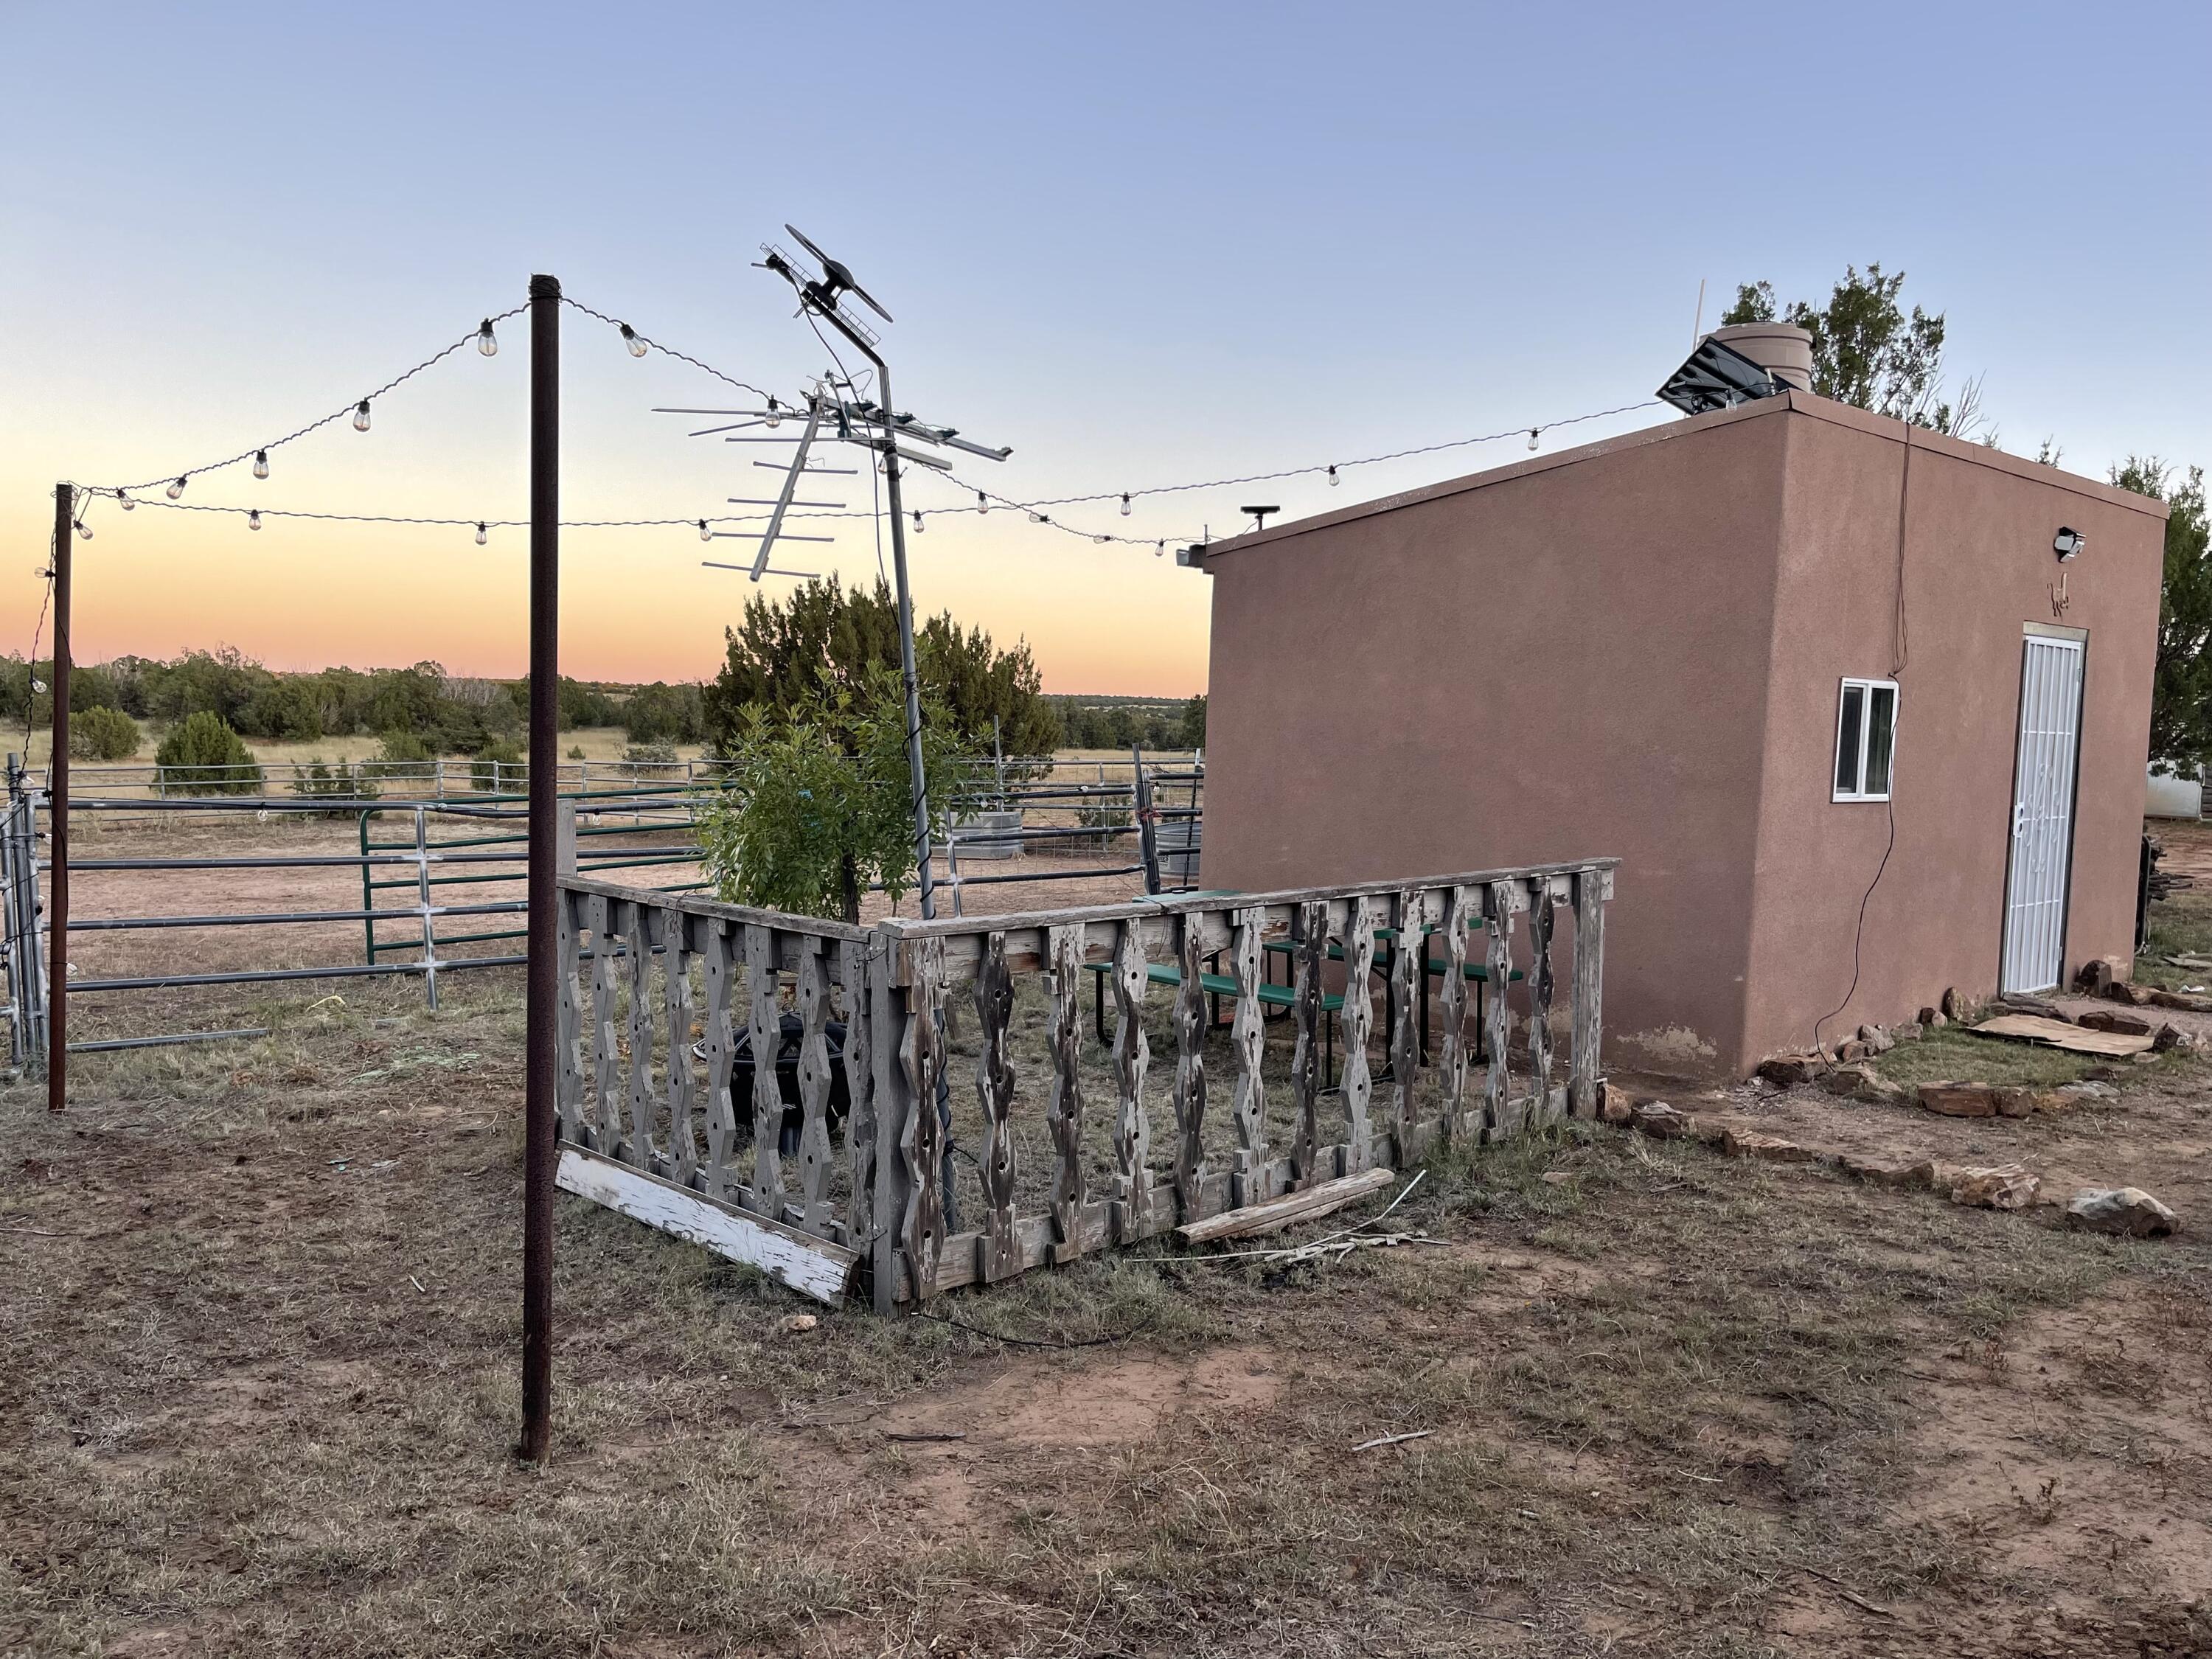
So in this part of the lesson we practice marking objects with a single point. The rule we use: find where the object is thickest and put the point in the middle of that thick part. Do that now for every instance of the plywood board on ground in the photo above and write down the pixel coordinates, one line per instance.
(2057, 1034)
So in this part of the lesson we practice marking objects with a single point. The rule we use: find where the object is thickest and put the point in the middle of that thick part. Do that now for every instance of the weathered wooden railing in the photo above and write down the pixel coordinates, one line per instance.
(1051, 1178)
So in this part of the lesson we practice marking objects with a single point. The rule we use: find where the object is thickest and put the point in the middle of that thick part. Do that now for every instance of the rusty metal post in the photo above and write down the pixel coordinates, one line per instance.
(537, 1157)
(57, 816)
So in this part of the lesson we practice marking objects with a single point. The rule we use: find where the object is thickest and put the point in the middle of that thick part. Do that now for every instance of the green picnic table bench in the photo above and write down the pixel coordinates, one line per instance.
(1285, 997)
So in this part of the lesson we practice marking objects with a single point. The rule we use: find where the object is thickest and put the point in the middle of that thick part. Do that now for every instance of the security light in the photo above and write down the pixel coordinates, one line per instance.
(2068, 543)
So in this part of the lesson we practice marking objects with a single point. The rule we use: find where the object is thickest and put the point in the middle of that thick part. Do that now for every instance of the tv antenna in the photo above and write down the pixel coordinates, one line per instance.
(880, 426)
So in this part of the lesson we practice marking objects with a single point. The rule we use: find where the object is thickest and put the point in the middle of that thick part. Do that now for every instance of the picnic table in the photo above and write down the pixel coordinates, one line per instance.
(1284, 996)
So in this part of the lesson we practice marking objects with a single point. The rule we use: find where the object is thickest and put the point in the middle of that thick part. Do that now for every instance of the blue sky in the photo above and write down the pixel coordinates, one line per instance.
(1143, 244)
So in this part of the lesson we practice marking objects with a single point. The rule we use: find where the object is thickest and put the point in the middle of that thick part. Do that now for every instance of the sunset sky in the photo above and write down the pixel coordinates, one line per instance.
(1143, 244)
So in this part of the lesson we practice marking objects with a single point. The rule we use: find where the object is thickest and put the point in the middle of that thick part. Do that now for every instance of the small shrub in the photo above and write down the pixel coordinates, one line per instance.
(575, 752)
(499, 769)
(341, 782)
(401, 754)
(201, 756)
(102, 734)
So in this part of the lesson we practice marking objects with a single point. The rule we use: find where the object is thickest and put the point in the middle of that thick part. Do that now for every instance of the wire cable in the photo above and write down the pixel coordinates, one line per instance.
(652, 344)
(247, 454)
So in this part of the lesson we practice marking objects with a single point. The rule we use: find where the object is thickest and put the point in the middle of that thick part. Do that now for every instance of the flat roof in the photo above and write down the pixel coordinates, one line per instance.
(1786, 403)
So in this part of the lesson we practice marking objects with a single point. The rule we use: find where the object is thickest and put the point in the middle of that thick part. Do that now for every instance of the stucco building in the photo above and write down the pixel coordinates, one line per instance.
(1762, 655)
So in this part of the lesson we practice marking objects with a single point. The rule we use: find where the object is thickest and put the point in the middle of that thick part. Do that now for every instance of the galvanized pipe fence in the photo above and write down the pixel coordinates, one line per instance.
(1139, 816)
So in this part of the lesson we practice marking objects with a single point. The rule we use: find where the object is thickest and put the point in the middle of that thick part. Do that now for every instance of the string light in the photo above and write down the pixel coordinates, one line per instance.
(484, 535)
(125, 501)
(917, 521)
(487, 341)
(774, 415)
(1333, 479)
(253, 519)
(84, 530)
(982, 502)
(261, 463)
(361, 416)
(1533, 431)
(176, 489)
(705, 534)
(634, 340)
(1160, 549)
(1125, 503)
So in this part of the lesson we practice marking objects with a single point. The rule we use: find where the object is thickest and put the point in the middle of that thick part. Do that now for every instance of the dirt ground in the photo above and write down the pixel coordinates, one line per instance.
(258, 1319)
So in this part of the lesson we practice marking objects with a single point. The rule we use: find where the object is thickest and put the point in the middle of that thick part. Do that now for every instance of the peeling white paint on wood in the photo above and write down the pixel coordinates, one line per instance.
(811, 1265)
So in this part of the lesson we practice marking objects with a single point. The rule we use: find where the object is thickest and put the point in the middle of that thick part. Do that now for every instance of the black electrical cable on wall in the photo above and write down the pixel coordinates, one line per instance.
(1900, 646)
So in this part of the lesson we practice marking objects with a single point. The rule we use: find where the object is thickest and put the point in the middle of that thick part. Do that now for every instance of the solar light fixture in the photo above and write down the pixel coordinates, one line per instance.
(2068, 543)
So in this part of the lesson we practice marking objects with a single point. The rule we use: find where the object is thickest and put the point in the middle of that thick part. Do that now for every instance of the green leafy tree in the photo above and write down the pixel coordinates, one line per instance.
(815, 803)
(821, 641)
(1193, 722)
(2181, 684)
(102, 734)
(1868, 352)
(201, 756)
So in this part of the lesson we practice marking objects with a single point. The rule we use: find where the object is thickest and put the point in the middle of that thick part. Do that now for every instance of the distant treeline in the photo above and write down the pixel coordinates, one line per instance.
(447, 714)
(1088, 722)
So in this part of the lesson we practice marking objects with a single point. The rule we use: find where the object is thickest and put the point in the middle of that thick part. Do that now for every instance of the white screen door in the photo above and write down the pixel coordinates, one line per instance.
(2042, 814)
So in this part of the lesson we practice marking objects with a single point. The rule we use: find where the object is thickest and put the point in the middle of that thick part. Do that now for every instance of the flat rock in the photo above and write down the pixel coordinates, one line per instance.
(1790, 1070)
(1934, 1019)
(1772, 1149)
(1994, 1187)
(1958, 1099)
(1660, 1121)
(1886, 1171)
(2035, 1005)
(2128, 1210)
(2111, 1020)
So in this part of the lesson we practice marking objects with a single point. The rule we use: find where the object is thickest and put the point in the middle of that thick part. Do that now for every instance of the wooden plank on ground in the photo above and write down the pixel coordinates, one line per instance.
(2057, 1034)
(814, 1267)
(1304, 1205)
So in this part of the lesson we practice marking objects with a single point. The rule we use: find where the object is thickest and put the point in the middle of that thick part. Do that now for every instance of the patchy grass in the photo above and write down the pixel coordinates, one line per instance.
(261, 1330)
(1952, 1054)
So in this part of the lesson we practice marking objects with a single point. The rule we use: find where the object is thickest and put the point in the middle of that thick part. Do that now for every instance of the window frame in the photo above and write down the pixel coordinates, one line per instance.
(1866, 688)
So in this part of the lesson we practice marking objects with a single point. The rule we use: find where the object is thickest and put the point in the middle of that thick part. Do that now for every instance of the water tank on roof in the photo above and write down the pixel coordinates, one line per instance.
(1782, 351)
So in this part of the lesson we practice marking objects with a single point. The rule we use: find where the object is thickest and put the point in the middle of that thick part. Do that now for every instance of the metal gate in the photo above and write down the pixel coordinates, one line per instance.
(2042, 813)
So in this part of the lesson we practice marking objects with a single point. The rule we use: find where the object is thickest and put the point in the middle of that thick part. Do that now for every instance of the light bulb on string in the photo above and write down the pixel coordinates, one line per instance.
(917, 522)
(774, 414)
(1037, 518)
(361, 416)
(1160, 549)
(1125, 503)
(1333, 479)
(705, 534)
(253, 519)
(1531, 436)
(261, 463)
(484, 534)
(487, 341)
(84, 530)
(1100, 539)
(176, 489)
(982, 502)
(634, 340)
(125, 500)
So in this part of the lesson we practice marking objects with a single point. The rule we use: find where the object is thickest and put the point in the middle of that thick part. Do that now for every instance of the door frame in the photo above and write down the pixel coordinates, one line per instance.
(2079, 637)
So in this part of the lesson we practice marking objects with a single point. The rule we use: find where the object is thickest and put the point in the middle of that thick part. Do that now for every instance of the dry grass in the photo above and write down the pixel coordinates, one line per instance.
(265, 1387)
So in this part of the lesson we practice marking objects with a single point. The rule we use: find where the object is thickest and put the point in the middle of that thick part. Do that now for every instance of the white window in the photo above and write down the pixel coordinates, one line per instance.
(1866, 738)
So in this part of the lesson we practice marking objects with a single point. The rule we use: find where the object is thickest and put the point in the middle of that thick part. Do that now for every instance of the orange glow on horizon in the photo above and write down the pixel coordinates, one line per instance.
(635, 604)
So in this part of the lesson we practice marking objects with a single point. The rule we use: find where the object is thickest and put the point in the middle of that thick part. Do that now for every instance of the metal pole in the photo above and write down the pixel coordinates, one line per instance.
(926, 884)
(544, 803)
(57, 815)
